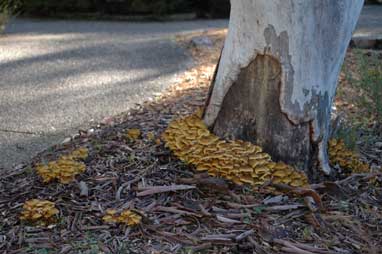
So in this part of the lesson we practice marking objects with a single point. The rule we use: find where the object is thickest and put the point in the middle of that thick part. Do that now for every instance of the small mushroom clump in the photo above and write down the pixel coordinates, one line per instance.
(80, 154)
(133, 134)
(65, 168)
(345, 158)
(127, 217)
(42, 212)
(239, 161)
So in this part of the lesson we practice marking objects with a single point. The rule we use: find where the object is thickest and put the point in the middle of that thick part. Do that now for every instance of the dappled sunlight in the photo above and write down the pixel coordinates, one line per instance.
(66, 70)
(103, 130)
(21, 47)
(181, 137)
(58, 76)
(85, 92)
(128, 164)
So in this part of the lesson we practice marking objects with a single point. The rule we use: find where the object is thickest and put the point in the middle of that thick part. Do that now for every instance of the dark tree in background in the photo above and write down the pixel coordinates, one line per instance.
(204, 8)
(212, 8)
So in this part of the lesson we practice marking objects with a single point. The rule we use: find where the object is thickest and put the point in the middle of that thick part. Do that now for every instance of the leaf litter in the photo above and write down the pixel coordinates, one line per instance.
(172, 208)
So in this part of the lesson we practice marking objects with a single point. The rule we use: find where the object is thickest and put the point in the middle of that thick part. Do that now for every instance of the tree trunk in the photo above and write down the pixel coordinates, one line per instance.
(277, 76)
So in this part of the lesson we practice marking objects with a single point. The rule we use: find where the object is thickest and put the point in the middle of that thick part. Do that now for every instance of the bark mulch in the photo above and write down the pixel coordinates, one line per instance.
(194, 213)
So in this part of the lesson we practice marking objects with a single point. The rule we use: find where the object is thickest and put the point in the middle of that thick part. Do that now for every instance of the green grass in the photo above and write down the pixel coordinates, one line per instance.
(8, 8)
(87, 245)
(363, 73)
(45, 251)
(366, 78)
(3, 20)
(349, 134)
(34, 250)
(370, 81)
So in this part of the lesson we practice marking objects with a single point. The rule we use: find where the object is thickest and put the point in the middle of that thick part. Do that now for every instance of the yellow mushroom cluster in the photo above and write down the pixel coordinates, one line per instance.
(79, 154)
(133, 134)
(65, 168)
(239, 161)
(345, 158)
(39, 211)
(150, 136)
(127, 217)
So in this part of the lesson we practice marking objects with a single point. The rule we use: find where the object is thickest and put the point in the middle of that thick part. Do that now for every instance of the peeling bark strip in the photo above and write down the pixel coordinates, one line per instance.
(278, 73)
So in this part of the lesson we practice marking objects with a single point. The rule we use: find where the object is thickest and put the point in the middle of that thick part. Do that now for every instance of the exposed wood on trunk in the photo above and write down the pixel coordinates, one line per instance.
(252, 107)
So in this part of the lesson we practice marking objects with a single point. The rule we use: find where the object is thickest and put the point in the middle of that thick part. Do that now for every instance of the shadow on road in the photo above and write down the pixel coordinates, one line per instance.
(58, 76)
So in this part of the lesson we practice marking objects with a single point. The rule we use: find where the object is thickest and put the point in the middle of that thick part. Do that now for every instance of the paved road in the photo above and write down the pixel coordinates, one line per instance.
(370, 23)
(58, 76)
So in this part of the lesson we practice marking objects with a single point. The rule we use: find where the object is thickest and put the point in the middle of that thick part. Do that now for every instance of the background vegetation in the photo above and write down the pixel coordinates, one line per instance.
(7, 8)
(53, 8)
(204, 8)
(3, 20)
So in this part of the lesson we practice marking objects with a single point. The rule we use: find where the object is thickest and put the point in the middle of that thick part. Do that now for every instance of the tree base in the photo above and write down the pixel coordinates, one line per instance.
(251, 111)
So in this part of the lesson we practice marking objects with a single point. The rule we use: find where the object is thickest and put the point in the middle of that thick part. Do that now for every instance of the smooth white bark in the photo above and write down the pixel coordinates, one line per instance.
(308, 37)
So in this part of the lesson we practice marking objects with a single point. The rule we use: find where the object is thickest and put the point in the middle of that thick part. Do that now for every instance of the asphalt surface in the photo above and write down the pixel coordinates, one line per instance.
(59, 76)
(370, 23)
